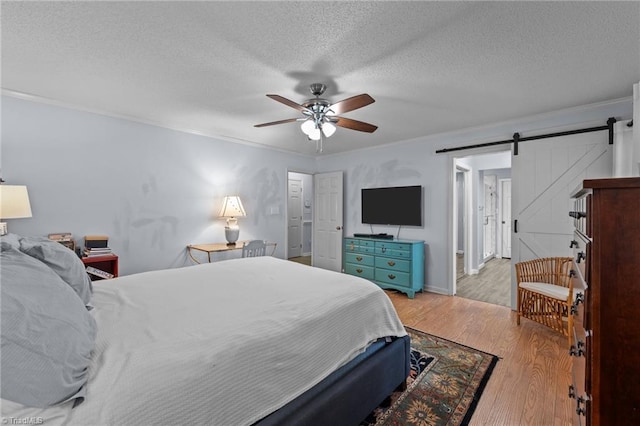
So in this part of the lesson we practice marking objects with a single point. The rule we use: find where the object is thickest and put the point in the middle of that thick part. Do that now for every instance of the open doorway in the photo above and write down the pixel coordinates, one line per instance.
(481, 223)
(299, 217)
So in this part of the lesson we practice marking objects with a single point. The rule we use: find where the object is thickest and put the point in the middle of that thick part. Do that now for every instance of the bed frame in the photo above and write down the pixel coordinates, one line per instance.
(349, 394)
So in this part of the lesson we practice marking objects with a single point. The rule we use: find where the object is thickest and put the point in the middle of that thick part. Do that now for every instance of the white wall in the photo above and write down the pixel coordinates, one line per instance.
(151, 190)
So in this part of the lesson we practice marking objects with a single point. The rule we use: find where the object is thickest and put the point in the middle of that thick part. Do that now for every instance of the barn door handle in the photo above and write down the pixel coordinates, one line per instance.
(515, 226)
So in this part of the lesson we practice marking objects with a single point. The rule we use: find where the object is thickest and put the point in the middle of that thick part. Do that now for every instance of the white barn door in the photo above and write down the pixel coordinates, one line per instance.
(327, 221)
(543, 176)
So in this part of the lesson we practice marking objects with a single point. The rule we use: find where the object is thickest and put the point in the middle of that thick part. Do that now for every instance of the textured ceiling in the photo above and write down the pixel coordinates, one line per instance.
(432, 67)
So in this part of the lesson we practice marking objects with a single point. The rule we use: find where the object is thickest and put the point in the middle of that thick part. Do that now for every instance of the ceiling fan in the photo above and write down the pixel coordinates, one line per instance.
(320, 117)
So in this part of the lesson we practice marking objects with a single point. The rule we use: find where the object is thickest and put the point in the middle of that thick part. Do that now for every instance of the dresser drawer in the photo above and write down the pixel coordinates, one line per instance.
(358, 246)
(358, 258)
(393, 277)
(394, 250)
(393, 264)
(360, 270)
(581, 258)
(579, 352)
(357, 242)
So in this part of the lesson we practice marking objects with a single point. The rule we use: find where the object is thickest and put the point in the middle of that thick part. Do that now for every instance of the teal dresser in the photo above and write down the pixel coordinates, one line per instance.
(393, 264)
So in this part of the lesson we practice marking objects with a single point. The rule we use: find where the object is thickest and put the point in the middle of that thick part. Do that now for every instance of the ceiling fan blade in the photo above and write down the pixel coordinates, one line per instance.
(352, 103)
(288, 120)
(289, 103)
(354, 124)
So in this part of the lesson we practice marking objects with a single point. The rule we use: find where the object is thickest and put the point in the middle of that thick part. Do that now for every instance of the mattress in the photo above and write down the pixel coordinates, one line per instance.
(225, 343)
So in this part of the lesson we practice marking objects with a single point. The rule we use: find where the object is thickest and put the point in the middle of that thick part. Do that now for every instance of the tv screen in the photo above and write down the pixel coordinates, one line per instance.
(400, 205)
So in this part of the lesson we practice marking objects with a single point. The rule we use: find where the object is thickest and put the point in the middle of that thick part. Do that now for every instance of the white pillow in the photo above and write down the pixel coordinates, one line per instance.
(63, 261)
(47, 334)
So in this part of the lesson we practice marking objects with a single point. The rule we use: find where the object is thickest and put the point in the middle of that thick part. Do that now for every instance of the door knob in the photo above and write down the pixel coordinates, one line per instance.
(338, 228)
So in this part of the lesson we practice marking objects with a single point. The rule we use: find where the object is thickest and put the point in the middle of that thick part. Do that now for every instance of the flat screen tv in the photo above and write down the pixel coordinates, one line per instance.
(400, 205)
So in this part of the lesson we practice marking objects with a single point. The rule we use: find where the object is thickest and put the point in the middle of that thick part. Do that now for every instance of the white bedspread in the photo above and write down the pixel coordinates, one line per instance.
(220, 344)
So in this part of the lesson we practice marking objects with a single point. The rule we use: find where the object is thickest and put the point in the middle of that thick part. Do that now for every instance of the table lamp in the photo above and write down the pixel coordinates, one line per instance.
(14, 204)
(231, 210)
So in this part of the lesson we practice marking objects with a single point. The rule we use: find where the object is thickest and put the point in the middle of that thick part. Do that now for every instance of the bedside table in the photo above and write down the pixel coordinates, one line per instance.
(107, 263)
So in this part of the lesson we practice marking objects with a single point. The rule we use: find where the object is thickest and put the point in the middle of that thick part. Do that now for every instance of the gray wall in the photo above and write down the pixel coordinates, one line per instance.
(150, 189)
(153, 190)
(415, 162)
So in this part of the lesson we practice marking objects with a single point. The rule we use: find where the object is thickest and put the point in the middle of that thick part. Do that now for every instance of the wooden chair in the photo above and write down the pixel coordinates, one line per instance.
(545, 293)
(254, 248)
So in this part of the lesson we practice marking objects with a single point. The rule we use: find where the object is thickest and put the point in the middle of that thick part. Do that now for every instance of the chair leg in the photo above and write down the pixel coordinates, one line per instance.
(518, 307)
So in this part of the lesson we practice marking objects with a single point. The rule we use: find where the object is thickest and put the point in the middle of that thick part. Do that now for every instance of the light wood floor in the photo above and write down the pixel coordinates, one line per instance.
(529, 385)
(492, 284)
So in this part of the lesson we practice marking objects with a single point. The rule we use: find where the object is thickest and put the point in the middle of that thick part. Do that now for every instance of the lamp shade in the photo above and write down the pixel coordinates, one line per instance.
(14, 202)
(232, 207)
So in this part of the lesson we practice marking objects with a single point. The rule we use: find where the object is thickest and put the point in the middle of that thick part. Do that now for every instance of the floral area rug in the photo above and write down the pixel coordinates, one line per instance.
(444, 387)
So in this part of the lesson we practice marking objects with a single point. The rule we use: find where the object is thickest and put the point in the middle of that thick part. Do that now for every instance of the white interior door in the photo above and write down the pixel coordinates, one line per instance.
(505, 214)
(327, 221)
(544, 174)
(294, 221)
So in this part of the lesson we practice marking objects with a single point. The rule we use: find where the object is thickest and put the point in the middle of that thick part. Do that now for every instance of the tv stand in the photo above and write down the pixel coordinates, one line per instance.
(397, 264)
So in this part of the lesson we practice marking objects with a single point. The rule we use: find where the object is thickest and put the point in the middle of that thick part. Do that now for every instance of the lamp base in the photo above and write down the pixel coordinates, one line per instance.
(231, 234)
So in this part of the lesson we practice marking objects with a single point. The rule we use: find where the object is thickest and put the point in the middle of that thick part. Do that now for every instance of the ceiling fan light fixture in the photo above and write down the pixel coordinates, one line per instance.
(314, 135)
(320, 118)
(328, 128)
(308, 126)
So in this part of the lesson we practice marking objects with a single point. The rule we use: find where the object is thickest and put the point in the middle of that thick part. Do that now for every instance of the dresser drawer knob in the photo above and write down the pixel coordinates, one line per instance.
(391, 277)
(384, 249)
(581, 256)
(580, 410)
(577, 215)
(573, 351)
(391, 263)
(572, 392)
(573, 244)
(577, 350)
(572, 273)
(574, 306)
(359, 258)
(359, 270)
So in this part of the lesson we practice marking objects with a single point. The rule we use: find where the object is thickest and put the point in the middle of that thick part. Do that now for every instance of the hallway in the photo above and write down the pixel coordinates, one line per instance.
(491, 285)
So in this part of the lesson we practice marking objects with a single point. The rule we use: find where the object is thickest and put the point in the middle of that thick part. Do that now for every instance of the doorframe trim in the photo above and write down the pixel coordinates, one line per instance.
(451, 244)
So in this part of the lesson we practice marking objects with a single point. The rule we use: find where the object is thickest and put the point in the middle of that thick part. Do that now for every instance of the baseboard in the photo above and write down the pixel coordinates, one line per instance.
(437, 290)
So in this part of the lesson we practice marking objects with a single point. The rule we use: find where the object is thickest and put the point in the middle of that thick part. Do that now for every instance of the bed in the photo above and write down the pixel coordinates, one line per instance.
(239, 342)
